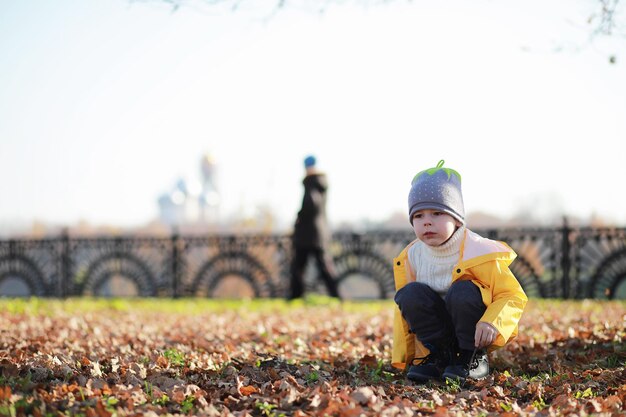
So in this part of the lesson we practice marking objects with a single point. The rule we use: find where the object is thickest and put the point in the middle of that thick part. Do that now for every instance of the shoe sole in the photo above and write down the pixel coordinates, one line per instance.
(453, 377)
(460, 378)
(421, 379)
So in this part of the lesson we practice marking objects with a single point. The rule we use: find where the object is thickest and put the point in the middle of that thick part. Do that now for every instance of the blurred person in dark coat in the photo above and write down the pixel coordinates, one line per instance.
(311, 234)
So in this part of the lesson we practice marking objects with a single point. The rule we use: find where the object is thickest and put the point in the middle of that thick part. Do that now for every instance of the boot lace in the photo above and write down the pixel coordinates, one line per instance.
(473, 362)
(424, 360)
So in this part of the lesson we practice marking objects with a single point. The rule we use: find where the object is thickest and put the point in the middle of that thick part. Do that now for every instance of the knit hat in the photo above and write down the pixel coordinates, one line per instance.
(309, 161)
(437, 188)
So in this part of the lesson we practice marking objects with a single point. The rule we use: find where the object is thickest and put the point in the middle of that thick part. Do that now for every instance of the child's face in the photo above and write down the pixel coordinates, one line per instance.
(434, 227)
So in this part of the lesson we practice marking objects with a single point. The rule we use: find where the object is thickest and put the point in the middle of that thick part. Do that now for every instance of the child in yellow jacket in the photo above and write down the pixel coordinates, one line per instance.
(456, 296)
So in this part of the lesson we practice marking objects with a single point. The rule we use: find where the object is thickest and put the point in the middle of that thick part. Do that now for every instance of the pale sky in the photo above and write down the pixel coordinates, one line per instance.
(104, 105)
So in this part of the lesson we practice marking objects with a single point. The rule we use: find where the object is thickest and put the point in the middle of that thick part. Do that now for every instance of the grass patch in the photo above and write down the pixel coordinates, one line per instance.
(53, 306)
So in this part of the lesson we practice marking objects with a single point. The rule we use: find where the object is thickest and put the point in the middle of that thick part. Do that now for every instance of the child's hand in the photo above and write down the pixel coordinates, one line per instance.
(485, 334)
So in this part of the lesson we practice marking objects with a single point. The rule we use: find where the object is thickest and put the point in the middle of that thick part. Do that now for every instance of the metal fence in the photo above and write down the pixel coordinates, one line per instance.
(561, 262)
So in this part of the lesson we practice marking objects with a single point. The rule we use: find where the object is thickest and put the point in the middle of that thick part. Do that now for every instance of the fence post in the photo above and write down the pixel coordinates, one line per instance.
(65, 263)
(566, 261)
(175, 265)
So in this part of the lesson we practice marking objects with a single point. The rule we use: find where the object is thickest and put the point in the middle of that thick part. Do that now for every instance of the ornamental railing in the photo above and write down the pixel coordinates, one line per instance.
(561, 262)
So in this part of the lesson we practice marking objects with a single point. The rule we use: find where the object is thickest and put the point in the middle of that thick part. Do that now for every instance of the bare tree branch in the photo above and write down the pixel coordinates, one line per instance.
(607, 20)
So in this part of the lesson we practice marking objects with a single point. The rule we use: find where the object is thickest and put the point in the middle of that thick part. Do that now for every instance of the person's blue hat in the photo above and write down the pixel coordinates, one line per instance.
(309, 161)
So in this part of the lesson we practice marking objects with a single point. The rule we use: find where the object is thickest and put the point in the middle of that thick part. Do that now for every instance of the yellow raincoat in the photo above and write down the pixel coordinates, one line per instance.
(486, 263)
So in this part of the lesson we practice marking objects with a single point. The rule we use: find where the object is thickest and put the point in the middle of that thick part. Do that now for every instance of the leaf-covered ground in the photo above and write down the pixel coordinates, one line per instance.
(270, 358)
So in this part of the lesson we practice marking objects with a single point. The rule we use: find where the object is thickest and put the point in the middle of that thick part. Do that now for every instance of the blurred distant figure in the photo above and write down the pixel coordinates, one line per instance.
(311, 234)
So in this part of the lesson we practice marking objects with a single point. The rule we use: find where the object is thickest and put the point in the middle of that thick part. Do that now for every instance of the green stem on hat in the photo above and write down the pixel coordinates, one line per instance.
(432, 171)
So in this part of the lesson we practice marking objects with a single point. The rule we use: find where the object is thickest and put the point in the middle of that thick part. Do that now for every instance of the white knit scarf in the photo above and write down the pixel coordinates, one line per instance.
(433, 264)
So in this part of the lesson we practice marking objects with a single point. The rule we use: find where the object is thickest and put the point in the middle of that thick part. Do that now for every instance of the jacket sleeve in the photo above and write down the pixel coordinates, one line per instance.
(309, 205)
(508, 299)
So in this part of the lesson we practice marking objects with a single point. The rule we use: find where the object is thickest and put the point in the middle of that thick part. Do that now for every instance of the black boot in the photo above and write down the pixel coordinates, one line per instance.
(468, 364)
(430, 366)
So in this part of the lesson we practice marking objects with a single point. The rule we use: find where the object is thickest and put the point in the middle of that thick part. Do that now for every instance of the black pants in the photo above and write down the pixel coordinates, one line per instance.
(436, 320)
(324, 265)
